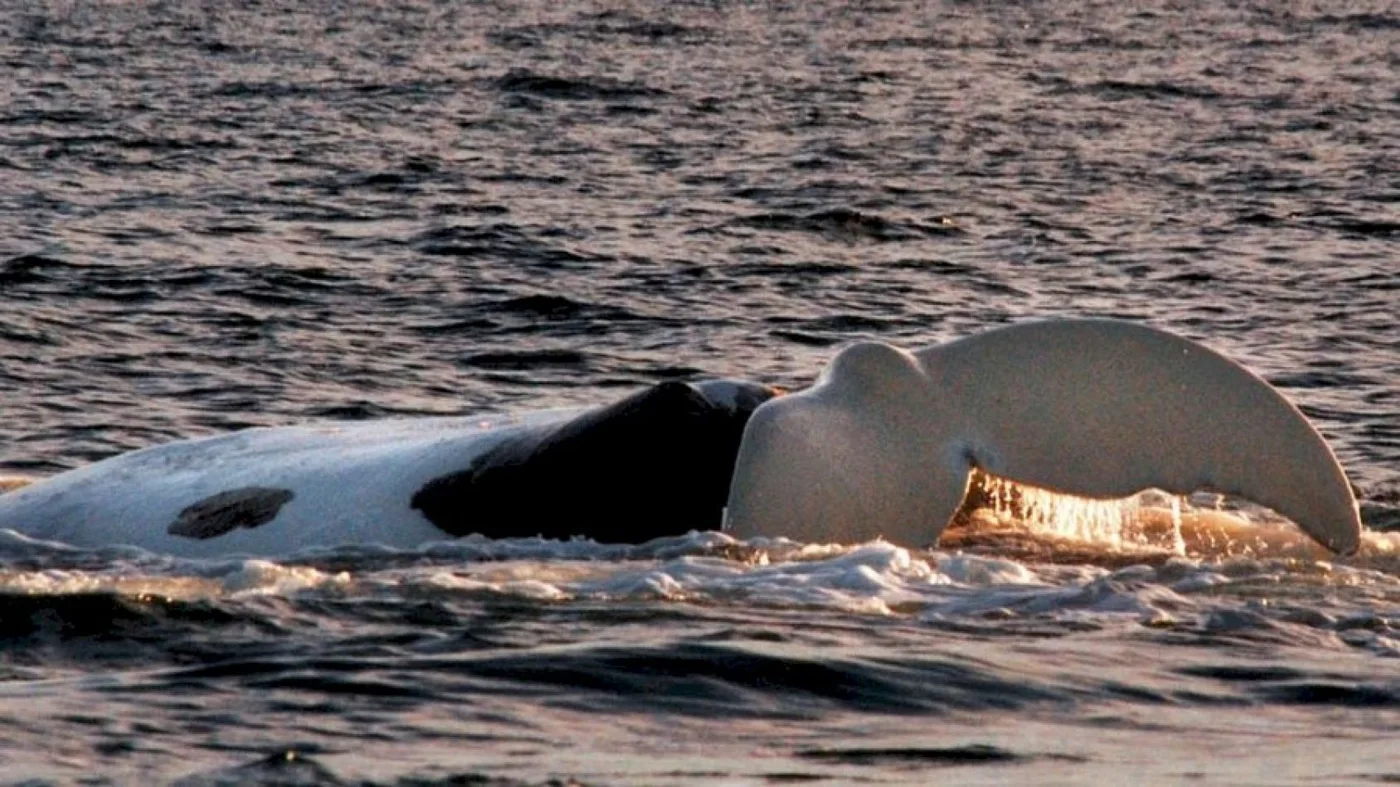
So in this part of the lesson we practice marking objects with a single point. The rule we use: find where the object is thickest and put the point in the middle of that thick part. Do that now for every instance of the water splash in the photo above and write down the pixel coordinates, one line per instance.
(1007, 516)
(9, 483)
(1150, 521)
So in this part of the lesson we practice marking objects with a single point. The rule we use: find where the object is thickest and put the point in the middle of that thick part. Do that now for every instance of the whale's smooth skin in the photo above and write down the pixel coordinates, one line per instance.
(655, 463)
(884, 443)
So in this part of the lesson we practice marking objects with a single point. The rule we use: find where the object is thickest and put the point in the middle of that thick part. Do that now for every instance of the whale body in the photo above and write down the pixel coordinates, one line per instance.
(656, 463)
(883, 445)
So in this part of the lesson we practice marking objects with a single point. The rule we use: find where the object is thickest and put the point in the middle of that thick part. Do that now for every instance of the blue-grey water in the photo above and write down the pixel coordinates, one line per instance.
(216, 215)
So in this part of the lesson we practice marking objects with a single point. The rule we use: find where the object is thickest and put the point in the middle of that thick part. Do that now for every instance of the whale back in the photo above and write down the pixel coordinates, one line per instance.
(655, 463)
(1095, 408)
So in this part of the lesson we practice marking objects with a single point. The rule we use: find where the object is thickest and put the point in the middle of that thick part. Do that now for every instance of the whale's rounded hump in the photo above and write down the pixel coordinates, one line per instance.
(1096, 408)
(656, 463)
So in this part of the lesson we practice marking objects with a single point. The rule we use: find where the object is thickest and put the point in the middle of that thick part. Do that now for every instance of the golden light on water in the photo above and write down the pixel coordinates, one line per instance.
(1152, 524)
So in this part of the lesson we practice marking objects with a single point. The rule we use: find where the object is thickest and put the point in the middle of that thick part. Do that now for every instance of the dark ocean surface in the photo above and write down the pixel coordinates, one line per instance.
(217, 215)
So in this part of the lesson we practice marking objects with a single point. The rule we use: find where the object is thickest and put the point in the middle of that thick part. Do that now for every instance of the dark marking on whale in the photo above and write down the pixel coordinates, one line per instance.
(654, 464)
(227, 511)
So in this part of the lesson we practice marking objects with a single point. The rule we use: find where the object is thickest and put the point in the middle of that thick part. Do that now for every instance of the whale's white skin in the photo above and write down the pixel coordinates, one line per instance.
(352, 483)
(884, 443)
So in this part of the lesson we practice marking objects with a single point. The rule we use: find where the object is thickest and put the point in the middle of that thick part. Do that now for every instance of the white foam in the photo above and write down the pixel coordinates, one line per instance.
(266, 578)
(67, 582)
(875, 578)
(49, 583)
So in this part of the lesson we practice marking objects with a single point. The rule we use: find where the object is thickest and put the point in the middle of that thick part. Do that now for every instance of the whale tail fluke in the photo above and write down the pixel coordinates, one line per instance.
(883, 444)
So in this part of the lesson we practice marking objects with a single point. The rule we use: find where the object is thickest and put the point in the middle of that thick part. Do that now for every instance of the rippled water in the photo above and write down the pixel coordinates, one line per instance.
(218, 215)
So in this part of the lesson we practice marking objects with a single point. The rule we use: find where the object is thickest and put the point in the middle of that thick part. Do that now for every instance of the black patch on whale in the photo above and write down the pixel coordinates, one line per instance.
(657, 463)
(218, 514)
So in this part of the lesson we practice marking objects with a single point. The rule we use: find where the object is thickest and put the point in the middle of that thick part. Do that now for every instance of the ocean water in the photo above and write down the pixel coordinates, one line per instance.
(218, 215)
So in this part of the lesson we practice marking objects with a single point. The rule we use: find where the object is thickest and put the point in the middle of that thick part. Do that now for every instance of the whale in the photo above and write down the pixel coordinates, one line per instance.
(882, 445)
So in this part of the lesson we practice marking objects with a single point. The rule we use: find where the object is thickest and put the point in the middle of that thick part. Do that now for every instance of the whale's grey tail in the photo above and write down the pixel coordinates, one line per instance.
(883, 444)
